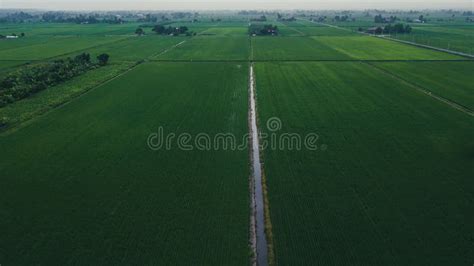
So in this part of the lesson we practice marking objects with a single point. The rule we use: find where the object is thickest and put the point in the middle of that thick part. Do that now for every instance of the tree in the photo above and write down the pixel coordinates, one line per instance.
(379, 19)
(408, 29)
(3, 120)
(83, 58)
(183, 29)
(159, 29)
(29, 80)
(139, 31)
(398, 28)
(9, 81)
(103, 59)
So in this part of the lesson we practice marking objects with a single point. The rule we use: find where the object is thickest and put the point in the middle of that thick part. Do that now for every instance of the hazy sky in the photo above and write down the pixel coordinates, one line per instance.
(234, 4)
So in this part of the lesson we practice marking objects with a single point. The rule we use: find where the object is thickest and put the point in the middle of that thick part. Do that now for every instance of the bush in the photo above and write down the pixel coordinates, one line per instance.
(103, 59)
(397, 28)
(175, 31)
(263, 29)
(4, 121)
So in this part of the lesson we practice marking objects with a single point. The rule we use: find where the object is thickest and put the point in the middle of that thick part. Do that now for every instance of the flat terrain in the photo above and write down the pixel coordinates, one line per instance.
(55, 46)
(456, 38)
(393, 185)
(293, 48)
(210, 48)
(348, 47)
(451, 80)
(366, 47)
(86, 189)
(137, 48)
(65, 29)
(27, 109)
(390, 183)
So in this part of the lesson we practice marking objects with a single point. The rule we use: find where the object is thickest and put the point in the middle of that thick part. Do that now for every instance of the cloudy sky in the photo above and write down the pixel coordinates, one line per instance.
(234, 4)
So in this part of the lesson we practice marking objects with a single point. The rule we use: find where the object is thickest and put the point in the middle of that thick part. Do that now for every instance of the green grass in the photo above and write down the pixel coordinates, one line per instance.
(56, 46)
(137, 48)
(284, 30)
(227, 31)
(455, 38)
(394, 185)
(210, 48)
(313, 29)
(366, 47)
(6, 44)
(450, 80)
(66, 29)
(9, 64)
(292, 48)
(80, 185)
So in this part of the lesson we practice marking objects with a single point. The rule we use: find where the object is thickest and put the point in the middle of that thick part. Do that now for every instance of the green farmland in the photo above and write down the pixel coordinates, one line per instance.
(210, 48)
(456, 38)
(56, 46)
(81, 175)
(365, 47)
(108, 126)
(455, 82)
(137, 48)
(395, 176)
(293, 48)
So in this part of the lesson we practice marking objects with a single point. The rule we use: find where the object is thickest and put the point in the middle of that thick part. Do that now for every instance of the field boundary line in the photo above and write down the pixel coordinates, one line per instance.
(160, 53)
(425, 91)
(172, 47)
(295, 30)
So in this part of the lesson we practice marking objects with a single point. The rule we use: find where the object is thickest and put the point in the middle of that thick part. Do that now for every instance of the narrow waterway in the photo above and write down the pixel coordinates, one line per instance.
(258, 196)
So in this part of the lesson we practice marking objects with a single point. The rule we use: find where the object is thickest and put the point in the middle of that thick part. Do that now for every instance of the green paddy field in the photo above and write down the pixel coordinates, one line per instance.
(390, 183)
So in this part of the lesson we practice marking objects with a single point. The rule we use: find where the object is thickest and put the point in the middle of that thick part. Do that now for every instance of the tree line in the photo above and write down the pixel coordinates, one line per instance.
(162, 30)
(32, 79)
(59, 17)
(21, 35)
(398, 28)
(262, 30)
(380, 19)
